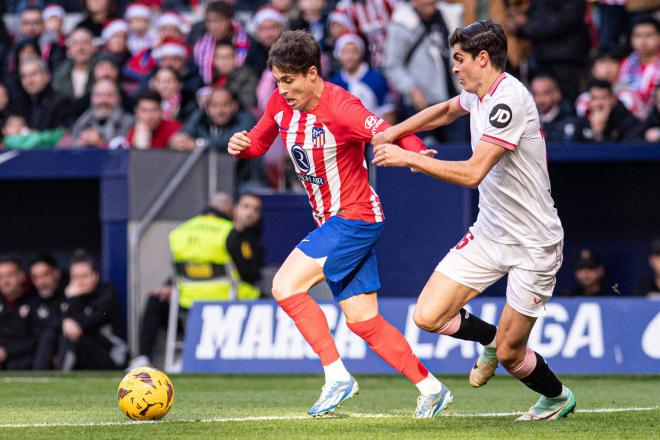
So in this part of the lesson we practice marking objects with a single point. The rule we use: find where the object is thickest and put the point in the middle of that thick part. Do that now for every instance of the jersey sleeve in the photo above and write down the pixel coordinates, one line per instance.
(264, 133)
(506, 122)
(465, 100)
(360, 125)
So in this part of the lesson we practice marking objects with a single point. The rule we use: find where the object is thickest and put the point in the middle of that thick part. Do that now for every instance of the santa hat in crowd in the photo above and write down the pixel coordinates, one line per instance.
(339, 16)
(170, 47)
(347, 39)
(112, 28)
(173, 19)
(53, 11)
(137, 10)
(268, 14)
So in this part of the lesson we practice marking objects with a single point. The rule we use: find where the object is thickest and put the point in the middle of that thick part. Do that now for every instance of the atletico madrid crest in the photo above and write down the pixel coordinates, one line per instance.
(318, 137)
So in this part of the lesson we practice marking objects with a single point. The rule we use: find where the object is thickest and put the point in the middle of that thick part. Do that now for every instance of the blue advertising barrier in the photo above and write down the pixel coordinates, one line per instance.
(575, 336)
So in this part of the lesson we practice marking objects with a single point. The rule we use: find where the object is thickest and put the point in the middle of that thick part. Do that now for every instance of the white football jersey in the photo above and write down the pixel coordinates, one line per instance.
(515, 205)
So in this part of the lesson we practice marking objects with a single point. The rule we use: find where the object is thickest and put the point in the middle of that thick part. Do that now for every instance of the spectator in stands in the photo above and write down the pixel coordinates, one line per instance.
(115, 40)
(241, 80)
(268, 24)
(312, 19)
(417, 61)
(173, 53)
(53, 17)
(608, 119)
(22, 50)
(215, 125)
(97, 13)
(558, 122)
(560, 40)
(150, 129)
(650, 286)
(178, 104)
(73, 77)
(5, 49)
(589, 275)
(92, 335)
(606, 66)
(220, 27)
(652, 122)
(48, 300)
(40, 105)
(224, 241)
(245, 245)
(105, 122)
(641, 70)
(31, 24)
(17, 339)
(138, 17)
(362, 81)
(372, 18)
(5, 103)
(17, 135)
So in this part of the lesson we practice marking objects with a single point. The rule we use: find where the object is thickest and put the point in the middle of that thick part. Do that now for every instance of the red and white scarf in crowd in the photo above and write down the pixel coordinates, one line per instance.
(642, 78)
(371, 18)
(205, 49)
(171, 107)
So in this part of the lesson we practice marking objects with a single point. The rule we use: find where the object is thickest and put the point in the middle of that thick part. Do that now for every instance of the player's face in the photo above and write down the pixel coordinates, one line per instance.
(467, 69)
(296, 88)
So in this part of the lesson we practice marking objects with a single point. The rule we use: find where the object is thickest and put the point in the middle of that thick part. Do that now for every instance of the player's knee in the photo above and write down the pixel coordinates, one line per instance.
(509, 356)
(426, 321)
(280, 290)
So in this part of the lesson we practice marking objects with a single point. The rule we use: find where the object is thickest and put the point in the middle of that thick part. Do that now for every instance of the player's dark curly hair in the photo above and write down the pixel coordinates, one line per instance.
(295, 52)
(482, 35)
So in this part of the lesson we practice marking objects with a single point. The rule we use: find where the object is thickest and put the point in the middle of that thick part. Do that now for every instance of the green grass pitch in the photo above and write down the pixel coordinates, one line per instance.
(83, 405)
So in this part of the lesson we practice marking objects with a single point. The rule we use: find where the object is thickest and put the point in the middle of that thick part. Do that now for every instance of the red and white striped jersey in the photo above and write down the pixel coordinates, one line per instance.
(371, 18)
(327, 146)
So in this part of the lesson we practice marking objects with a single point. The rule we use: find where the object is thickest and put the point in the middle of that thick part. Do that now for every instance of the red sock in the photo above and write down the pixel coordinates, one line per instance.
(391, 346)
(312, 324)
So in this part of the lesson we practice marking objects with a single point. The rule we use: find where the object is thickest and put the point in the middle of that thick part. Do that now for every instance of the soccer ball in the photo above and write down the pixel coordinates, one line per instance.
(145, 394)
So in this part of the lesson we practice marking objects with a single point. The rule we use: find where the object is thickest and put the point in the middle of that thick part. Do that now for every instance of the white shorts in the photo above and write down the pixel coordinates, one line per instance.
(478, 262)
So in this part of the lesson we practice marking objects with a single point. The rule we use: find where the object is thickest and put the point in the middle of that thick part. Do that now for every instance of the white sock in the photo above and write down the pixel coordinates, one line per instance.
(429, 385)
(336, 372)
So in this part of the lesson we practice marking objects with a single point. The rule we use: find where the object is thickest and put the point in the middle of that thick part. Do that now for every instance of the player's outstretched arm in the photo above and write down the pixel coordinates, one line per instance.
(468, 173)
(432, 117)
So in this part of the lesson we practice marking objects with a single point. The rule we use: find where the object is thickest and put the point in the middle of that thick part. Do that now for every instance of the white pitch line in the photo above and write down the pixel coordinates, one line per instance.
(276, 418)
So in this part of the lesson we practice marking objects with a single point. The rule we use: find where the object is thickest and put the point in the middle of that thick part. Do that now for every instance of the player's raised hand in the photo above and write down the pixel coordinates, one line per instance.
(238, 142)
(390, 155)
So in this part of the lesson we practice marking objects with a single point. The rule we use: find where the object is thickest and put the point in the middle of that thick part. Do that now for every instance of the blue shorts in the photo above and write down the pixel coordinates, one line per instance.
(345, 250)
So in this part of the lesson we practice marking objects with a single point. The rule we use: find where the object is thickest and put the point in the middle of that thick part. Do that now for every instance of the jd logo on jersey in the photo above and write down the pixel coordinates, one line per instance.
(500, 116)
(299, 156)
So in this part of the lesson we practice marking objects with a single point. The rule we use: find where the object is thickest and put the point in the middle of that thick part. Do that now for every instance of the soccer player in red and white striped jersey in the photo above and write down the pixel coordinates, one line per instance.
(325, 129)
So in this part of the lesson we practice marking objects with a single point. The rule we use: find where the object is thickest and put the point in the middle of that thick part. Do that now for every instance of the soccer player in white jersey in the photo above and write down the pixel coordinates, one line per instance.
(517, 232)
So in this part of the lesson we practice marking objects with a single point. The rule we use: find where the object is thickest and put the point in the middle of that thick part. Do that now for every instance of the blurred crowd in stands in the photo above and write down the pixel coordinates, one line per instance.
(66, 318)
(174, 74)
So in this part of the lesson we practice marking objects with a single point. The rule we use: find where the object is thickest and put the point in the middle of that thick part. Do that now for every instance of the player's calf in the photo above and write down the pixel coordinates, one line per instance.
(532, 370)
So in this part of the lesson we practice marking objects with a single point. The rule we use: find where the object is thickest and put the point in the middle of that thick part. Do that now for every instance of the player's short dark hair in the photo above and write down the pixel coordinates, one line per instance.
(149, 95)
(482, 35)
(600, 84)
(44, 258)
(646, 19)
(12, 259)
(295, 52)
(220, 8)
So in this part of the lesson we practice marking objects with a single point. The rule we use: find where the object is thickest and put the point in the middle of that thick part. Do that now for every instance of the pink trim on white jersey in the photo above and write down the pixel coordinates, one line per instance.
(498, 141)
